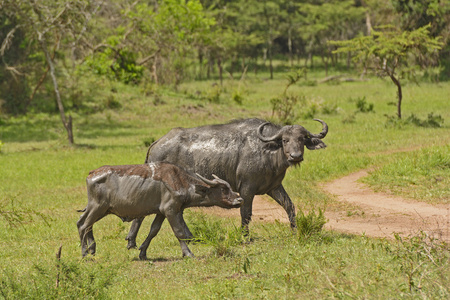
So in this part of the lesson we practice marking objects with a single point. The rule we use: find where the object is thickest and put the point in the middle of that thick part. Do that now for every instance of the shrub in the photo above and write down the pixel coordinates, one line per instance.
(74, 281)
(363, 106)
(431, 121)
(309, 225)
(213, 233)
(283, 108)
(213, 94)
(237, 96)
(422, 258)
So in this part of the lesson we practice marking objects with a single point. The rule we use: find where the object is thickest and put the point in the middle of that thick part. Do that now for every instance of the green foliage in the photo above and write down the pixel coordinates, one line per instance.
(14, 215)
(418, 255)
(213, 233)
(1, 146)
(213, 93)
(392, 53)
(387, 49)
(237, 96)
(431, 121)
(310, 225)
(283, 107)
(363, 106)
(118, 64)
(74, 281)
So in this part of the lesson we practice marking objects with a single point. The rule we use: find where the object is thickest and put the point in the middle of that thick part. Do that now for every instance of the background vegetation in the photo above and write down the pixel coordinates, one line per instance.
(128, 72)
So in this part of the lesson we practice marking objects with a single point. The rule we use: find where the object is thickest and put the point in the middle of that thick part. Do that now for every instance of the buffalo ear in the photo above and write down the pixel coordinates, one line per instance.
(314, 144)
(201, 190)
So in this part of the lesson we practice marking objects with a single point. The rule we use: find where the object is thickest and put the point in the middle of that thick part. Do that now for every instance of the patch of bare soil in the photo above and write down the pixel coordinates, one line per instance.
(378, 214)
(384, 214)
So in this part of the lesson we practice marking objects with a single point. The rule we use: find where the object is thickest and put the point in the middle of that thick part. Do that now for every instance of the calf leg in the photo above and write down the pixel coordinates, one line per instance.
(178, 225)
(131, 237)
(84, 225)
(280, 195)
(156, 226)
(136, 224)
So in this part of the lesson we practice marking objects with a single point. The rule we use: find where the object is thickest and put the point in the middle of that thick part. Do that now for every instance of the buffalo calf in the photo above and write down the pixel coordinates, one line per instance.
(135, 191)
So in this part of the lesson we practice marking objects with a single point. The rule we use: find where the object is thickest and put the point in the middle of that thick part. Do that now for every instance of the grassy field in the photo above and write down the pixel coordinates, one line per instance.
(43, 184)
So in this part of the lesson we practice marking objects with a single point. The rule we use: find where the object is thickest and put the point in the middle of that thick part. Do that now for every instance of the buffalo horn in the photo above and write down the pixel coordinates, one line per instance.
(268, 139)
(207, 181)
(324, 130)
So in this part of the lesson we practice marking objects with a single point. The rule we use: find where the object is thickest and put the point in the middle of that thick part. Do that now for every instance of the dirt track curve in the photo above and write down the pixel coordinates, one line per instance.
(379, 214)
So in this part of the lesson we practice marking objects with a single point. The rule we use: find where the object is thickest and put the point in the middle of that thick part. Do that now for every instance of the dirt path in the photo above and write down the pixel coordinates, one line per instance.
(374, 214)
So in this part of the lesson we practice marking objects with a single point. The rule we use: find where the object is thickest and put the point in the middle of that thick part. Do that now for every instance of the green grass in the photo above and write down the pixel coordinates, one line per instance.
(423, 175)
(43, 184)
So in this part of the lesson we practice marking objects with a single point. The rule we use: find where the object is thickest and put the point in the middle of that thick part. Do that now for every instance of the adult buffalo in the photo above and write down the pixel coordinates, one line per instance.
(251, 154)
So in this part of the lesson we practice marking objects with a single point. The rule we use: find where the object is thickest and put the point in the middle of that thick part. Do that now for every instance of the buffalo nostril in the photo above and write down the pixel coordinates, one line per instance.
(296, 156)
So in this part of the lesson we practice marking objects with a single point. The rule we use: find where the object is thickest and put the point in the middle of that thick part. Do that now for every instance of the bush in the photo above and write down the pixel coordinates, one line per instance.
(213, 94)
(213, 233)
(363, 106)
(431, 121)
(309, 225)
(417, 256)
(75, 281)
(283, 108)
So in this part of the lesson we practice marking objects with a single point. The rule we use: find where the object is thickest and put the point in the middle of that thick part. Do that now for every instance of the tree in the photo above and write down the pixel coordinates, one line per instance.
(333, 20)
(170, 31)
(390, 52)
(45, 24)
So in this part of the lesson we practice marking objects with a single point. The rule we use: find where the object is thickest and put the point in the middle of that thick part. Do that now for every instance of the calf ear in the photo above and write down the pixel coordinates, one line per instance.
(314, 144)
(201, 190)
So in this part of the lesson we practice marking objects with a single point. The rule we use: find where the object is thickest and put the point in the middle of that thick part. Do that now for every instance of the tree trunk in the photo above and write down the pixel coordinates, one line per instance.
(219, 65)
(200, 61)
(399, 95)
(368, 23)
(155, 69)
(67, 124)
(290, 46)
(270, 58)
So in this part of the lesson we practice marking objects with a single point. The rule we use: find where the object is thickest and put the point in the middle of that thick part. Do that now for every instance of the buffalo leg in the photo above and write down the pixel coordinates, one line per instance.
(246, 212)
(156, 226)
(280, 195)
(187, 232)
(131, 237)
(178, 225)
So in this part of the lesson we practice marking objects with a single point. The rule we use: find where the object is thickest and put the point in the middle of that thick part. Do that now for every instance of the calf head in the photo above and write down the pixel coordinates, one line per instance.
(218, 192)
(294, 138)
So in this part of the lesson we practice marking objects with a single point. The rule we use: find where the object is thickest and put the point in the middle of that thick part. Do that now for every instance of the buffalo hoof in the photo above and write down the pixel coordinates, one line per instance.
(143, 256)
(131, 245)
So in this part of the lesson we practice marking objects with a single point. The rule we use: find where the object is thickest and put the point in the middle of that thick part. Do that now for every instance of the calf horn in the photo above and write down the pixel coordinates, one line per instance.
(324, 130)
(277, 136)
(207, 181)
